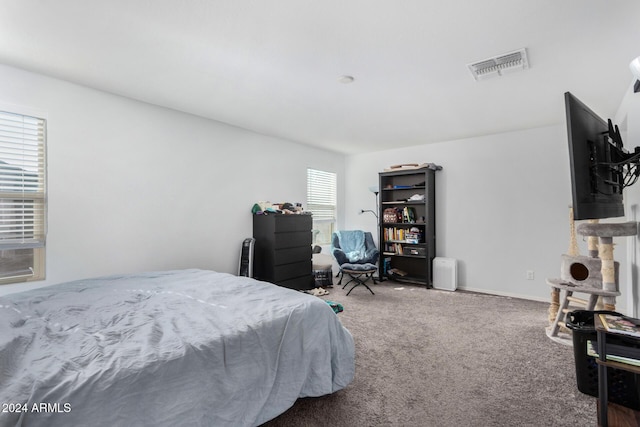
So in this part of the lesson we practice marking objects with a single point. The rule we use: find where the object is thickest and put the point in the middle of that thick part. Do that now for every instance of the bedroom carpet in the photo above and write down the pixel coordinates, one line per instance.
(426, 357)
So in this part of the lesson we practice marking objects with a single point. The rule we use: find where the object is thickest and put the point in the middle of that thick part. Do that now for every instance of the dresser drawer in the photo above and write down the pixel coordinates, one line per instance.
(290, 271)
(292, 239)
(291, 255)
(300, 283)
(285, 223)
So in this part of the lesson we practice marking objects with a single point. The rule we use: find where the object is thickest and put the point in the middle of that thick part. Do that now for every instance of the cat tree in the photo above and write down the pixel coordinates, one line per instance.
(595, 275)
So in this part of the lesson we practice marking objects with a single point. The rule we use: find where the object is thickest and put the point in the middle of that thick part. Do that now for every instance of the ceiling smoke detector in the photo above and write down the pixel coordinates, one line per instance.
(498, 65)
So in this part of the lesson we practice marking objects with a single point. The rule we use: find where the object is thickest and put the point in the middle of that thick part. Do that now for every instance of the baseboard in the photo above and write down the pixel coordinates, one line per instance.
(503, 294)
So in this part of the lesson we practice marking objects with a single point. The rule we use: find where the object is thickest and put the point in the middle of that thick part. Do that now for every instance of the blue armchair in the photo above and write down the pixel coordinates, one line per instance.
(355, 251)
(354, 247)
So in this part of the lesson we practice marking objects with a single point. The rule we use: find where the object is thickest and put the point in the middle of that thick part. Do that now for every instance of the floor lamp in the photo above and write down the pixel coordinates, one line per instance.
(374, 190)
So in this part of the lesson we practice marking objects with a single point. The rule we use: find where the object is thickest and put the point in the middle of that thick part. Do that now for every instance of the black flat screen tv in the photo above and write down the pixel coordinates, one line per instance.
(593, 148)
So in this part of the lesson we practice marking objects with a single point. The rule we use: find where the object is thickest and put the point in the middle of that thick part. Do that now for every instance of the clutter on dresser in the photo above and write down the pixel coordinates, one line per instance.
(266, 208)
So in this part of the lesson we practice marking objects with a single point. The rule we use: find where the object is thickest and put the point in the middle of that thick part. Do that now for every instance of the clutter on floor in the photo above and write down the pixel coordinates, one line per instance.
(318, 291)
(337, 307)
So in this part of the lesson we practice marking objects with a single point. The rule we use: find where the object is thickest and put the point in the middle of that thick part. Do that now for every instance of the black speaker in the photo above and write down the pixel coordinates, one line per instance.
(245, 266)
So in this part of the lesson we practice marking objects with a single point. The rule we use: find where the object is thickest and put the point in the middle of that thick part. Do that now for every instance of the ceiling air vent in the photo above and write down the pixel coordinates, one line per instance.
(498, 65)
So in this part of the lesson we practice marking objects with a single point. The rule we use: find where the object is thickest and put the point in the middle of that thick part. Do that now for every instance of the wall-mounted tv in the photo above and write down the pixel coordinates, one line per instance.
(600, 167)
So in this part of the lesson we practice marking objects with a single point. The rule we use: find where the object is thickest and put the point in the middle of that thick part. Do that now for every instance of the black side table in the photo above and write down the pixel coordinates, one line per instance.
(603, 364)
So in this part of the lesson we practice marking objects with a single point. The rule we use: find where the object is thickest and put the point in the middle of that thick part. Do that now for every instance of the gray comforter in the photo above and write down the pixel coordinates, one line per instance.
(172, 348)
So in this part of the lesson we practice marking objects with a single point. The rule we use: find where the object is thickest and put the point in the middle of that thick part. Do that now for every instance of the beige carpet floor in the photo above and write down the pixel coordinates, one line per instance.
(427, 357)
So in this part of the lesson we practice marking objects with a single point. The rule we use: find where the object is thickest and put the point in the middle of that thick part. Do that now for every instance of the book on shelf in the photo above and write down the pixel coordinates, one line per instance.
(620, 324)
(395, 234)
(393, 248)
(612, 353)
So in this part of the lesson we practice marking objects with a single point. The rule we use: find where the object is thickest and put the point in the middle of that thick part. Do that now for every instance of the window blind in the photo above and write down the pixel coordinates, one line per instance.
(22, 182)
(321, 195)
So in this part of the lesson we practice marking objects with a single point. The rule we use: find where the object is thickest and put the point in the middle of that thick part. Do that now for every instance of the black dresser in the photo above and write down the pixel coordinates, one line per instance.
(282, 253)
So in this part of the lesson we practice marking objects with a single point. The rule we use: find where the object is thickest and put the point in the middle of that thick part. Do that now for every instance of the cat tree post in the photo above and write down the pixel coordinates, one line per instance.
(554, 305)
(574, 251)
(592, 241)
(605, 233)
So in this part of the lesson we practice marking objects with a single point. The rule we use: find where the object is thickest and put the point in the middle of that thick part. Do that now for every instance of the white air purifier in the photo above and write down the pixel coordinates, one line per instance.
(445, 274)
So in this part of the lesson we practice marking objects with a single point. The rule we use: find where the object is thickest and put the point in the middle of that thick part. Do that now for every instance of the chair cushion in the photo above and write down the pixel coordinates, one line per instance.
(359, 267)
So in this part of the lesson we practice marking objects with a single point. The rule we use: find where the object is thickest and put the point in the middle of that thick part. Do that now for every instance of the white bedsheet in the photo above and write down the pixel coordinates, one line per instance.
(189, 347)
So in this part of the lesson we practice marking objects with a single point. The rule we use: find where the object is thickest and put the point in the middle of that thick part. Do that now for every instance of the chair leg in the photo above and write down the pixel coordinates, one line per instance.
(351, 279)
(360, 282)
(355, 277)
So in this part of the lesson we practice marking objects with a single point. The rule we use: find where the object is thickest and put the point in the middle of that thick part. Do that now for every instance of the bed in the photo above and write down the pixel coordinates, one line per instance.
(187, 347)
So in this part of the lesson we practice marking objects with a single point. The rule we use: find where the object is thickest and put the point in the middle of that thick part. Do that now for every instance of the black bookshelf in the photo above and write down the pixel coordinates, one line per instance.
(408, 243)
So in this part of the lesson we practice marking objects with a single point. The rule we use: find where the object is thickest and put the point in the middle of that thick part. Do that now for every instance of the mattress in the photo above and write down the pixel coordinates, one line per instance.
(187, 347)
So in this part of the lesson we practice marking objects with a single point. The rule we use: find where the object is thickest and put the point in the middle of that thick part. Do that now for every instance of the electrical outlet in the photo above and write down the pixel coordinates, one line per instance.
(530, 275)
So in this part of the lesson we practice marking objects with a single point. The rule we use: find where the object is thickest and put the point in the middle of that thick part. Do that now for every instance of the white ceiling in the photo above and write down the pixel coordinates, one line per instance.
(273, 66)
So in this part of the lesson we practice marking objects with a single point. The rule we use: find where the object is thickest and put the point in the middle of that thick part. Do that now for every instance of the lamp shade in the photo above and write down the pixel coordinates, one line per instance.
(635, 68)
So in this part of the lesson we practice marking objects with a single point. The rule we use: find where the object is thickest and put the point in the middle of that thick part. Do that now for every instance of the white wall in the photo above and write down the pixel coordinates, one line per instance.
(135, 187)
(501, 206)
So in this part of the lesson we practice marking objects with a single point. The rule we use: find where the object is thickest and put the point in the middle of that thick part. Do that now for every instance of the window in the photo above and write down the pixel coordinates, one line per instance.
(321, 201)
(22, 198)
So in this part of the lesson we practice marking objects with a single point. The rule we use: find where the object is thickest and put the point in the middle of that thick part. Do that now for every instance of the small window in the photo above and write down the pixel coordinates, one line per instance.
(22, 198)
(321, 202)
